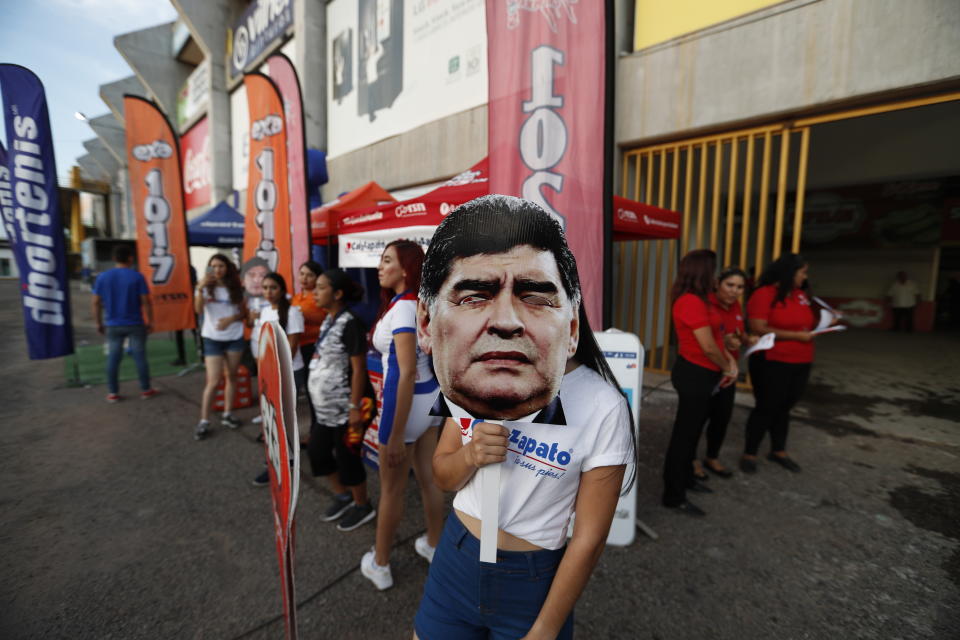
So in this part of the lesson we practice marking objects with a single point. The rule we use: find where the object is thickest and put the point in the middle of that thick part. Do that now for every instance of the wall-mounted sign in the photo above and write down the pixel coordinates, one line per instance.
(263, 23)
(195, 159)
(397, 65)
(194, 95)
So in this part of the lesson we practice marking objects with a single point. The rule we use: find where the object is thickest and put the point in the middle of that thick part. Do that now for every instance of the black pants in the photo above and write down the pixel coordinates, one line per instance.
(330, 454)
(721, 409)
(903, 317)
(694, 385)
(777, 386)
(306, 351)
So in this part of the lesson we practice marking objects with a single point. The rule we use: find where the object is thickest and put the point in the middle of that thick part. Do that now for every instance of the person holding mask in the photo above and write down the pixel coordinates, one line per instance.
(779, 375)
(500, 312)
(337, 380)
(277, 308)
(725, 302)
(219, 297)
(702, 364)
(407, 433)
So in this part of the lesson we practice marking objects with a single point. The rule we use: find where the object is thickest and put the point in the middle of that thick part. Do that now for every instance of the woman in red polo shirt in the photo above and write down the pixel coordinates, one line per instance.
(701, 365)
(779, 306)
(725, 303)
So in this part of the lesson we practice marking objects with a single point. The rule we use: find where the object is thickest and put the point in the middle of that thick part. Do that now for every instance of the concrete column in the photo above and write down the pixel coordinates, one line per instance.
(90, 170)
(98, 151)
(112, 94)
(149, 54)
(208, 21)
(111, 133)
(310, 33)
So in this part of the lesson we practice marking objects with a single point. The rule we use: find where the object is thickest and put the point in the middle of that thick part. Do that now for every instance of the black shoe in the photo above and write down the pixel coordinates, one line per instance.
(338, 506)
(699, 487)
(723, 473)
(355, 516)
(262, 480)
(748, 466)
(785, 462)
(688, 508)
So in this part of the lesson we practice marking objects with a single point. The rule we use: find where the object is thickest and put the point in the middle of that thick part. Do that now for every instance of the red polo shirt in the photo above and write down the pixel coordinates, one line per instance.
(690, 313)
(792, 314)
(731, 320)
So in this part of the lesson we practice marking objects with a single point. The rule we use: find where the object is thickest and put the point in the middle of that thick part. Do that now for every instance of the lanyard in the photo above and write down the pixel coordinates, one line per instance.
(323, 334)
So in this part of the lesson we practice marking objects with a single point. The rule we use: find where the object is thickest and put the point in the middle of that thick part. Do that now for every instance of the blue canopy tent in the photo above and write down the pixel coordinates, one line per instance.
(221, 226)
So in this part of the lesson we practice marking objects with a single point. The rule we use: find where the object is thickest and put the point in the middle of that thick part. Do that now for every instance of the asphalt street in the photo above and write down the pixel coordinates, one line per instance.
(115, 523)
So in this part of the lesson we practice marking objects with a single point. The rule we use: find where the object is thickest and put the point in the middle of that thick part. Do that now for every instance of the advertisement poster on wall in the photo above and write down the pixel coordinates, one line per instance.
(396, 64)
(195, 159)
(193, 97)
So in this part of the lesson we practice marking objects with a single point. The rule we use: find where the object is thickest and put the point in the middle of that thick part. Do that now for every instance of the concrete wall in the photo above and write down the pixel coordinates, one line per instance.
(439, 149)
(788, 58)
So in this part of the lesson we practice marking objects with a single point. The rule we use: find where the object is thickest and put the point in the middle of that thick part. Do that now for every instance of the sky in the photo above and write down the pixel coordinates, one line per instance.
(69, 45)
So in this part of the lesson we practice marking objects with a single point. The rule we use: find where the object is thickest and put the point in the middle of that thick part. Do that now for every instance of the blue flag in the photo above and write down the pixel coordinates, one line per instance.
(39, 244)
(6, 199)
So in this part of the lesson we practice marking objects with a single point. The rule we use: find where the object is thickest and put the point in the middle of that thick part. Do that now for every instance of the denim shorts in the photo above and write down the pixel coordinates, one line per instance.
(466, 599)
(213, 347)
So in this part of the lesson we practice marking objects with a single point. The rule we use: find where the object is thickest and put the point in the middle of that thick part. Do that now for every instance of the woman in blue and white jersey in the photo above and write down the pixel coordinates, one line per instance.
(407, 432)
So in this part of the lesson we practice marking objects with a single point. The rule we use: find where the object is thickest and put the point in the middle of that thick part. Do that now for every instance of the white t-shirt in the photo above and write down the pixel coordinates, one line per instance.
(215, 308)
(904, 294)
(294, 325)
(401, 317)
(540, 478)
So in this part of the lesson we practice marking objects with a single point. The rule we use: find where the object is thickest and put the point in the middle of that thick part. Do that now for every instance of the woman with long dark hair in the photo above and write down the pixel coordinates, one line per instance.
(313, 317)
(277, 308)
(501, 314)
(407, 433)
(219, 297)
(780, 305)
(338, 378)
(725, 303)
(702, 364)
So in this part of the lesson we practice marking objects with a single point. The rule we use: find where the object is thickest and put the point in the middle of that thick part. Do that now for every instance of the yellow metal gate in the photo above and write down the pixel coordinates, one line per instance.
(726, 187)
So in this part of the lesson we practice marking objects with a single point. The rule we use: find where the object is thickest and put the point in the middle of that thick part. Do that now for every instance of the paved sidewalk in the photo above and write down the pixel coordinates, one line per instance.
(115, 523)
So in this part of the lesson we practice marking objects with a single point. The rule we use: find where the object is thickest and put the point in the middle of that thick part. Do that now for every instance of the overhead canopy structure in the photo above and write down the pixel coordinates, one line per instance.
(363, 234)
(637, 221)
(323, 220)
(221, 226)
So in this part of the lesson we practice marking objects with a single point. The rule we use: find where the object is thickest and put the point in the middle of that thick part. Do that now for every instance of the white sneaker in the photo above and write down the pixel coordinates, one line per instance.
(424, 549)
(257, 420)
(381, 577)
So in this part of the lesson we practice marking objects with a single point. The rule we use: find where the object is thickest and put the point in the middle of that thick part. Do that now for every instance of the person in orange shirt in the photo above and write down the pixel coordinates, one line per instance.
(312, 315)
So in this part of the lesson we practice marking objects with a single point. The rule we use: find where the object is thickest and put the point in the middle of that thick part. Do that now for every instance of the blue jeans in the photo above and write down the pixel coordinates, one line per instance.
(468, 599)
(138, 349)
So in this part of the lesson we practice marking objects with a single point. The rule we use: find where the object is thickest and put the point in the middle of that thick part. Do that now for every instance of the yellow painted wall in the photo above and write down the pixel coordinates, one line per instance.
(661, 20)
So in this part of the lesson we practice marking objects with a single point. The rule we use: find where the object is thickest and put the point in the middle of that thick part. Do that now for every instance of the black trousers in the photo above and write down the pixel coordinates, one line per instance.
(721, 409)
(694, 385)
(777, 387)
(903, 317)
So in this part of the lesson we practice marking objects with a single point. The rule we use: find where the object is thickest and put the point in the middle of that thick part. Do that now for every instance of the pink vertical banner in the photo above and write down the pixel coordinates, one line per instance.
(284, 75)
(547, 102)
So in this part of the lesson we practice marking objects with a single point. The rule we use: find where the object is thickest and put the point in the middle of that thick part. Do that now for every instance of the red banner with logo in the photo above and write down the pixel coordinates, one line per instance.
(283, 73)
(195, 157)
(279, 426)
(547, 102)
(267, 228)
(156, 193)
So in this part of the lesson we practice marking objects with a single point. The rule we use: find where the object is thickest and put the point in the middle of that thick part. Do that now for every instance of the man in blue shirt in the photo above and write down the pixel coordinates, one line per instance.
(122, 292)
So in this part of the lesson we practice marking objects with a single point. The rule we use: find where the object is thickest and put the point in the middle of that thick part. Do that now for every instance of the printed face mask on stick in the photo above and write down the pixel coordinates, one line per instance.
(499, 304)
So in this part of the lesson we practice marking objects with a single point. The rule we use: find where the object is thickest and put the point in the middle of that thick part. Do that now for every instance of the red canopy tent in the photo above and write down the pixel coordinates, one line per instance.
(363, 230)
(637, 221)
(364, 233)
(323, 220)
